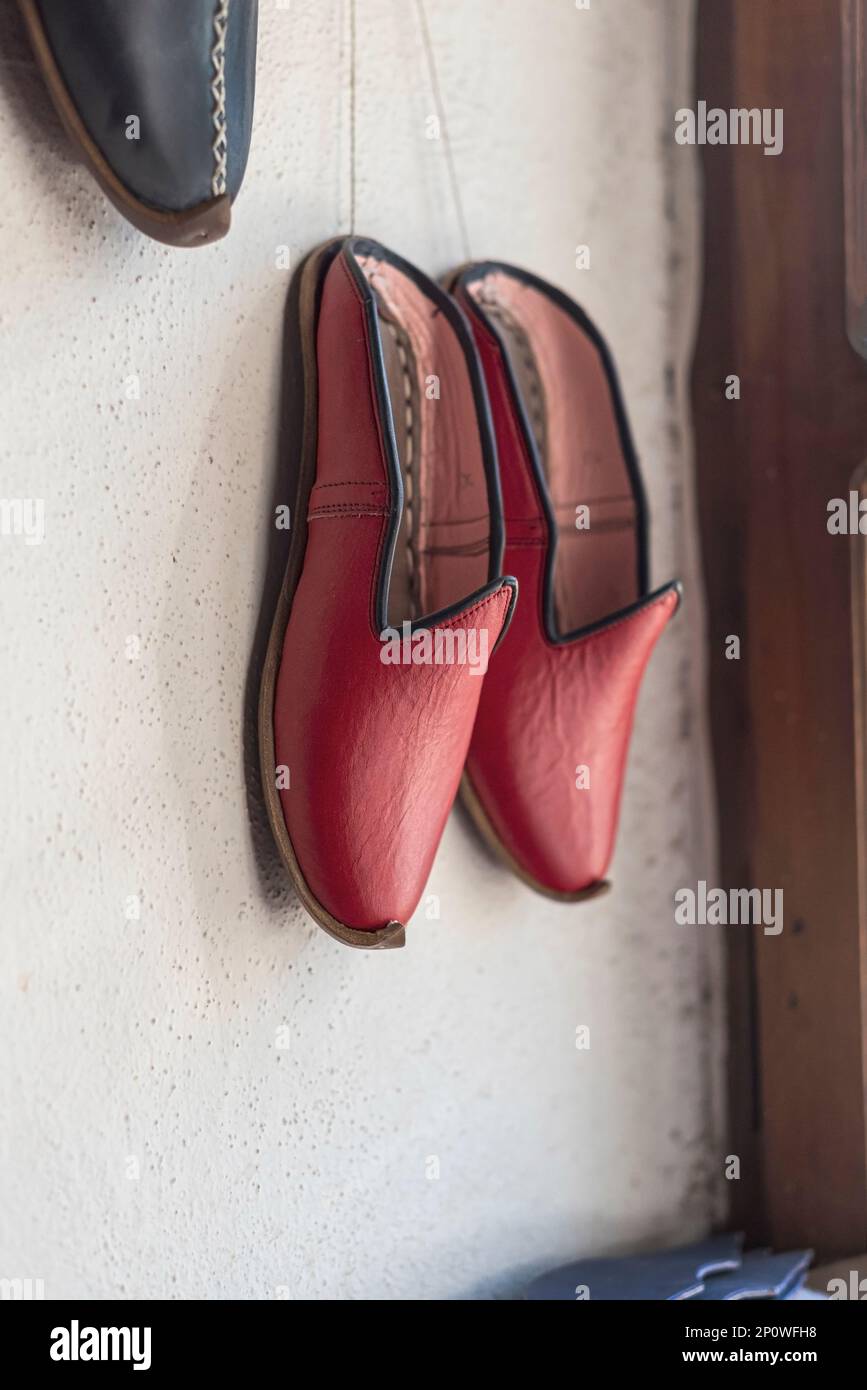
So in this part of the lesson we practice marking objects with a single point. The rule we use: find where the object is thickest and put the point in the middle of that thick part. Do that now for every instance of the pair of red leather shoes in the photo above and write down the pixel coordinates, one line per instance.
(451, 442)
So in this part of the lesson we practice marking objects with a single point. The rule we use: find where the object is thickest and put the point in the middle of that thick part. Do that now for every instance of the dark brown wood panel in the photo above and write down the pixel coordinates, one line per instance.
(855, 167)
(775, 314)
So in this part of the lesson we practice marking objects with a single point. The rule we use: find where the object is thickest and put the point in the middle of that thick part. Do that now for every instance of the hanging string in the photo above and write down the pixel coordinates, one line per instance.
(353, 112)
(441, 117)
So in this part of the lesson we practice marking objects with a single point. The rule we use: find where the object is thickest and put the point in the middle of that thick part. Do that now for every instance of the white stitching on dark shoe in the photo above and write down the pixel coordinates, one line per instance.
(220, 146)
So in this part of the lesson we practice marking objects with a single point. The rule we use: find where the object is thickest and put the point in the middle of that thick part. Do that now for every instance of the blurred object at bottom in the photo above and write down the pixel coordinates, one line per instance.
(711, 1270)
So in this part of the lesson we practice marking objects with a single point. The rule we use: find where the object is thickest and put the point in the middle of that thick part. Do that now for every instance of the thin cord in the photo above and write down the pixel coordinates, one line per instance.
(353, 85)
(441, 116)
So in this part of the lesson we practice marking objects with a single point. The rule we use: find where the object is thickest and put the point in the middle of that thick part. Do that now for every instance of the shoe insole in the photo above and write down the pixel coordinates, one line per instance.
(568, 401)
(443, 546)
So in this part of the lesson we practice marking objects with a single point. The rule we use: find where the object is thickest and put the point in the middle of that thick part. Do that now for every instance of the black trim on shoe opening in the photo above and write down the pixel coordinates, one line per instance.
(468, 275)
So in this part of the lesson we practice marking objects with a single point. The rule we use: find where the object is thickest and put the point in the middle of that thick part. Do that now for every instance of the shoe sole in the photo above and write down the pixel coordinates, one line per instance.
(197, 226)
(303, 330)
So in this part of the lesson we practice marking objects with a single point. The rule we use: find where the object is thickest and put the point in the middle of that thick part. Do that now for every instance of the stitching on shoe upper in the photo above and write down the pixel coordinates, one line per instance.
(402, 343)
(361, 483)
(220, 146)
(348, 509)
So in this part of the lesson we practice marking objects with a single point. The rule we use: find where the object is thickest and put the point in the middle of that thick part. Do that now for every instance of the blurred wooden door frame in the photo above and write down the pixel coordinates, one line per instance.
(854, 49)
(775, 314)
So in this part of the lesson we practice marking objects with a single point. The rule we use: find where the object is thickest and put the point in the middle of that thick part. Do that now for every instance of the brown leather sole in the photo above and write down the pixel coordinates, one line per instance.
(196, 226)
(480, 819)
(393, 935)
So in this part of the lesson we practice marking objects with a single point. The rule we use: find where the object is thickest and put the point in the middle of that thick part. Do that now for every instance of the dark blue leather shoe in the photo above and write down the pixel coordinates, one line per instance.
(158, 97)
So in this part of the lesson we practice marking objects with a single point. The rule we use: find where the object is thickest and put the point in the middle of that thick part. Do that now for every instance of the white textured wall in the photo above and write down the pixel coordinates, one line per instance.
(305, 1167)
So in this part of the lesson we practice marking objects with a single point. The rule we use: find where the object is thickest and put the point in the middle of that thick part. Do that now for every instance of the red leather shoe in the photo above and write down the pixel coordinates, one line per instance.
(545, 770)
(367, 709)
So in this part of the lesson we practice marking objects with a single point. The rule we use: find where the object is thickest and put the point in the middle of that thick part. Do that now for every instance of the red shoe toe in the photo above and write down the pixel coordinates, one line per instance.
(565, 714)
